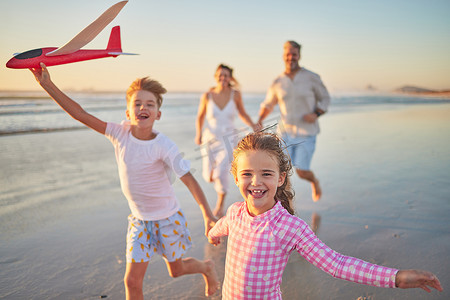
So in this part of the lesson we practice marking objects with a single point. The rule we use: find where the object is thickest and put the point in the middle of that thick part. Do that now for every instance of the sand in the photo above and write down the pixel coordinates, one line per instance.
(385, 178)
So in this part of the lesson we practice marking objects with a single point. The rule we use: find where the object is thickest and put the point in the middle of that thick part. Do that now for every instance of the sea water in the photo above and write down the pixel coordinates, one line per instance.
(28, 112)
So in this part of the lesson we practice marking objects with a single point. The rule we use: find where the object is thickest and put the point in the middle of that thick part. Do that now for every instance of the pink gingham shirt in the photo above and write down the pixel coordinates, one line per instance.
(259, 248)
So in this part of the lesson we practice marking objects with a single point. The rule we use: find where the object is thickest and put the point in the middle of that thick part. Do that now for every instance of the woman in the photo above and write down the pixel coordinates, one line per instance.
(218, 135)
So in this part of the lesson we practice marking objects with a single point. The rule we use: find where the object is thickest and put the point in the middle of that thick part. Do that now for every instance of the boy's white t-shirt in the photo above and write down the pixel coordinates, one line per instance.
(146, 170)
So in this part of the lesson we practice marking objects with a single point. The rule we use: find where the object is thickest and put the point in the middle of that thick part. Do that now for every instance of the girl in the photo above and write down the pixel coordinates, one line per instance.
(219, 106)
(263, 231)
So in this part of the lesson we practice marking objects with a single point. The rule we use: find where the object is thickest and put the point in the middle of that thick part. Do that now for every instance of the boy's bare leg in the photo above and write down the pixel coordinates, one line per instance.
(315, 186)
(133, 279)
(219, 209)
(192, 266)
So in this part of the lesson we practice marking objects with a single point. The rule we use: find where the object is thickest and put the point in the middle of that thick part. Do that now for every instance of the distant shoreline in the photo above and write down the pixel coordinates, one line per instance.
(419, 91)
(442, 94)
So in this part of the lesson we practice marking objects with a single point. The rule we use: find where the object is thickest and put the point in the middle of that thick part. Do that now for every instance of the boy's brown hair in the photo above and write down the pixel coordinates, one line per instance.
(147, 84)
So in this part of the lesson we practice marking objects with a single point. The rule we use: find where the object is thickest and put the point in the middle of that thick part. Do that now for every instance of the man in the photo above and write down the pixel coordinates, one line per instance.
(302, 98)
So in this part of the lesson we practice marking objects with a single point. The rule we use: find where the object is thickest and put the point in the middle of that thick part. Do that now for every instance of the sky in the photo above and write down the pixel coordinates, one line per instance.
(386, 44)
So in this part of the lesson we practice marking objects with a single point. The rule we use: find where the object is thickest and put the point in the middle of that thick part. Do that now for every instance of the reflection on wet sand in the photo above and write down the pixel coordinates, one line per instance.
(315, 222)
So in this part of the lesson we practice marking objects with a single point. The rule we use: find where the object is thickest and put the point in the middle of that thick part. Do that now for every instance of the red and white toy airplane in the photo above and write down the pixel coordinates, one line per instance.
(70, 52)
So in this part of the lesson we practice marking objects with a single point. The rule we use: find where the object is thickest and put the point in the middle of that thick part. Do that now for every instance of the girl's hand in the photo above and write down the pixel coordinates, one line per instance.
(41, 74)
(406, 279)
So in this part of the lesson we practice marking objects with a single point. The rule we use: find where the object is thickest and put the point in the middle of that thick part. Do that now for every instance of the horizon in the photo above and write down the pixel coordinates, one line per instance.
(367, 92)
(351, 45)
(368, 89)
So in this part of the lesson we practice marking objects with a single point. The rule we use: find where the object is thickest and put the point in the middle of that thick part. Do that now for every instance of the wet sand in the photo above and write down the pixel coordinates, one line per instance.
(384, 173)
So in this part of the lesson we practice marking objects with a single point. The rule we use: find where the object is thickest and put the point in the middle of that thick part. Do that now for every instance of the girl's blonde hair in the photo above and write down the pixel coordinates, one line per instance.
(147, 84)
(272, 144)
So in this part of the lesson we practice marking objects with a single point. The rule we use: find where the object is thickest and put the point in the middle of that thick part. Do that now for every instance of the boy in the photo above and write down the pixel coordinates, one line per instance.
(156, 223)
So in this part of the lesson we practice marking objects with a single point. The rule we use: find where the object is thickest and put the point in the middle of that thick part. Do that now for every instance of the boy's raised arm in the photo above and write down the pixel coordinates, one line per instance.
(71, 107)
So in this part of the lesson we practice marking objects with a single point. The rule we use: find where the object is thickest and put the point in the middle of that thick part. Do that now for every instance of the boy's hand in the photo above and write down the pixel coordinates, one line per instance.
(209, 223)
(215, 241)
(406, 279)
(41, 74)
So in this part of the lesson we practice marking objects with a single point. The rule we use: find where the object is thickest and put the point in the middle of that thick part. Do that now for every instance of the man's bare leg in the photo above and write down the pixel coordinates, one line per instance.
(309, 176)
(192, 266)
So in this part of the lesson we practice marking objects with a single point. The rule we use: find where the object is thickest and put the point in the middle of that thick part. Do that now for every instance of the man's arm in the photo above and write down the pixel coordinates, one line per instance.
(266, 108)
(322, 97)
(312, 117)
(322, 100)
(71, 107)
(267, 105)
(263, 113)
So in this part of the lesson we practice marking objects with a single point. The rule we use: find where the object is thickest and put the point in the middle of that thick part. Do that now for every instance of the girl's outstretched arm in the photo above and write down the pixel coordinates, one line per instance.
(71, 107)
(406, 279)
(351, 268)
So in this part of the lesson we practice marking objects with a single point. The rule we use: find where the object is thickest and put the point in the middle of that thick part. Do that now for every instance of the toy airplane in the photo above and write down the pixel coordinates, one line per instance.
(70, 52)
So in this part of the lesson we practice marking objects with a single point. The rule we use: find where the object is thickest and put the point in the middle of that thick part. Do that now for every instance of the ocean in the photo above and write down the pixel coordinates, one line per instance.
(31, 112)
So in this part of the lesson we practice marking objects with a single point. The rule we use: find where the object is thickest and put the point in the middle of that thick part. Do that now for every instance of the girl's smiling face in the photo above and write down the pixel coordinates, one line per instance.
(258, 177)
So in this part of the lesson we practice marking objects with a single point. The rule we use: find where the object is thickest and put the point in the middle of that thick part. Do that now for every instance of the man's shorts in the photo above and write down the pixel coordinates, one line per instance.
(301, 150)
(168, 237)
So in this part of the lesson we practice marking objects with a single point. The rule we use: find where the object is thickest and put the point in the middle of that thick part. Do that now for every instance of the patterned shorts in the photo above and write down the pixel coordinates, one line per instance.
(168, 237)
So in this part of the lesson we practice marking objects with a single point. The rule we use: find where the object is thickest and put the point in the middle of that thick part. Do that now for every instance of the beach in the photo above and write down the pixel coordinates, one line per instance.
(384, 171)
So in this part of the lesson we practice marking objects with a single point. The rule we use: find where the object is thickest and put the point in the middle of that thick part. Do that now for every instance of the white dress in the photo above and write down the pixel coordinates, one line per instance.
(219, 139)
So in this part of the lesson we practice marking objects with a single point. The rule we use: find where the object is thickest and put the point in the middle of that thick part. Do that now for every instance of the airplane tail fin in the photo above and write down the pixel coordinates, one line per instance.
(114, 44)
(114, 40)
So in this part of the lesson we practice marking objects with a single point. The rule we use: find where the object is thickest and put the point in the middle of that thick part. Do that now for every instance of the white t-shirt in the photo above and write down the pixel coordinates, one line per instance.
(146, 170)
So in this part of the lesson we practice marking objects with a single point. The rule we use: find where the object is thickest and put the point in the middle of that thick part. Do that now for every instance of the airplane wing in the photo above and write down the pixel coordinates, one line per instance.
(90, 32)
